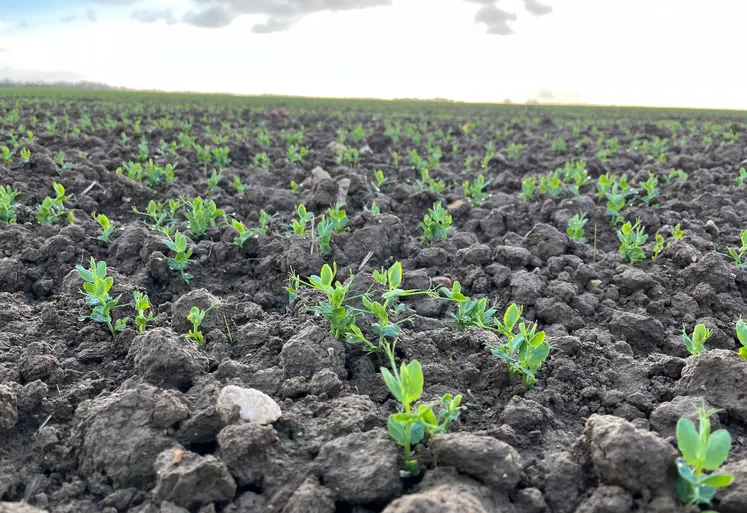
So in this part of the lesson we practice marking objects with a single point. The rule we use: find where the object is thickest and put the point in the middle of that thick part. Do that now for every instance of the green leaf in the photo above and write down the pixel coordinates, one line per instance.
(395, 275)
(717, 450)
(686, 473)
(718, 480)
(327, 275)
(688, 440)
(394, 386)
(511, 317)
(397, 430)
(412, 381)
(742, 332)
(417, 432)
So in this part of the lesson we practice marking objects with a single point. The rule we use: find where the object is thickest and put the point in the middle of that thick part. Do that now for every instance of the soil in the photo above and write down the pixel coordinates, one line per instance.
(95, 423)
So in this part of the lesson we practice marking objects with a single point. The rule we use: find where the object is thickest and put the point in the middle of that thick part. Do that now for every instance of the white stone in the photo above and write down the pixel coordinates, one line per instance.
(246, 404)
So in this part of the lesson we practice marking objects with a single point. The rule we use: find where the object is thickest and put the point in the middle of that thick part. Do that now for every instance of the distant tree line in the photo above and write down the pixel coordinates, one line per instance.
(60, 85)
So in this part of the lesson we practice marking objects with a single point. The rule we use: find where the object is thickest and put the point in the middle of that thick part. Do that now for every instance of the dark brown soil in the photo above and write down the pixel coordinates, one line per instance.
(92, 423)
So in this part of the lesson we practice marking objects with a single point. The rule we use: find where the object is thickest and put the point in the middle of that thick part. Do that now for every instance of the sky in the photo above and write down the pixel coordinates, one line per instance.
(633, 52)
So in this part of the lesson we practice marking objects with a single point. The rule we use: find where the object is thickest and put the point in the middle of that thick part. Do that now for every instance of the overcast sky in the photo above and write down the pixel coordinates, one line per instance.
(645, 52)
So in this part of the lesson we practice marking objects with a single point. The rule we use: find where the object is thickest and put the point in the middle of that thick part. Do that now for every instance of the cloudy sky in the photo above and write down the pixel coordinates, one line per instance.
(645, 52)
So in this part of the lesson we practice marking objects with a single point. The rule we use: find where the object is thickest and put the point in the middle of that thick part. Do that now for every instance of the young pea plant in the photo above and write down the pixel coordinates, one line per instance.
(677, 231)
(304, 218)
(436, 224)
(380, 180)
(513, 151)
(470, 312)
(605, 183)
(616, 202)
(658, 247)
(107, 228)
(25, 155)
(6, 155)
(202, 214)
(473, 191)
(695, 343)
(141, 304)
(528, 186)
(632, 238)
(524, 352)
(741, 328)
(61, 164)
(651, 187)
(702, 451)
(551, 184)
(52, 209)
(180, 261)
(575, 229)
(214, 179)
(742, 178)
(677, 174)
(162, 221)
(244, 234)
(8, 197)
(261, 159)
(334, 310)
(738, 254)
(338, 217)
(96, 287)
(196, 316)
(240, 187)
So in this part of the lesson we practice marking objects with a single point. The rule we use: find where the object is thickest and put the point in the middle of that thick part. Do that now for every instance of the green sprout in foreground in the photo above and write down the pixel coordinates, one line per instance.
(575, 228)
(436, 224)
(196, 316)
(8, 197)
(96, 289)
(141, 303)
(180, 261)
(632, 238)
(695, 344)
(702, 450)
(107, 228)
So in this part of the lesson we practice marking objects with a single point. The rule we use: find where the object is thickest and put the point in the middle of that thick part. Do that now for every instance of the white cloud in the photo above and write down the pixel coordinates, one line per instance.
(633, 52)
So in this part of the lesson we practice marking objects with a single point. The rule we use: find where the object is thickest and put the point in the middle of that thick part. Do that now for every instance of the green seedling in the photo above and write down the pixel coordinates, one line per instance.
(204, 156)
(297, 153)
(180, 261)
(52, 209)
(513, 151)
(528, 186)
(558, 145)
(658, 247)
(473, 191)
(677, 174)
(702, 450)
(25, 155)
(162, 221)
(575, 229)
(348, 157)
(220, 157)
(304, 219)
(338, 218)
(196, 316)
(695, 344)
(244, 234)
(6, 154)
(96, 287)
(677, 231)
(61, 164)
(524, 352)
(742, 337)
(334, 310)
(551, 184)
(742, 178)
(616, 202)
(293, 186)
(380, 179)
(240, 187)
(468, 163)
(436, 224)
(325, 229)
(651, 187)
(214, 179)
(107, 228)
(605, 183)
(738, 254)
(141, 303)
(575, 176)
(470, 312)
(374, 209)
(8, 197)
(202, 214)
(261, 159)
(632, 238)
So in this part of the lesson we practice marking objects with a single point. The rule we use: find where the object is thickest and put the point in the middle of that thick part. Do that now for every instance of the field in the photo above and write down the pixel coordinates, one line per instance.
(229, 304)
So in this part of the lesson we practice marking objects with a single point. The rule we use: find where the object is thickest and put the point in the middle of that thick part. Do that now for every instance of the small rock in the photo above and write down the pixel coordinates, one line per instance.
(443, 499)
(711, 227)
(483, 457)
(607, 499)
(733, 499)
(19, 507)
(243, 448)
(545, 241)
(326, 382)
(310, 497)
(190, 480)
(643, 332)
(512, 256)
(247, 404)
(8, 408)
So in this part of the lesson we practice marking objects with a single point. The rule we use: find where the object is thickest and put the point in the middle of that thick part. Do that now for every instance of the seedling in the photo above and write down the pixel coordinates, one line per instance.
(615, 204)
(202, 215)
(658, 246)
(261, 160)
(473, 191)
(575, 229)
(324, 231)
(162, 221)
(470, 312)
(632, 238)
(244, 234)
(61, 164)
(214, 179)
(676, 174)
(742, 337)
(677, 232)
(6, 155)
(8, 197)
(348, 156)
(339, 316)
(180, 261)
(374, 209)
(51, 209)
(702, 450)
(738, 254)
(107, 228)
(380, 179)
(96, 289)
(25, 155)
(141, 303)
(297, 153)
(528, 186)
(651, 187)
(575, 175)
(436, 224)
(695, 344)
(525, 351)
(558, 145)
(240, 187)
(196, 316)
(304, 218)
(513, 151)
(742, 178)
(551, 184)
(338, 218)
(605, 183)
